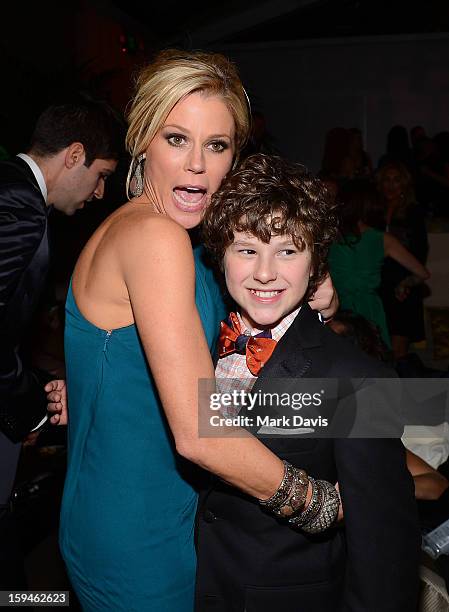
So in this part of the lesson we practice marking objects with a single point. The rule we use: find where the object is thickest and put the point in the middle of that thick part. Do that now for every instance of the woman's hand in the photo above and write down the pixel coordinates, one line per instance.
(340, 515)
(325, 299)
(402, 291)
(57, 401)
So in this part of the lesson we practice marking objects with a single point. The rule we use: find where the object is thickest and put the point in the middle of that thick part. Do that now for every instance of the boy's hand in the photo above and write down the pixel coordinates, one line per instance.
(57, 401)
(325, 299)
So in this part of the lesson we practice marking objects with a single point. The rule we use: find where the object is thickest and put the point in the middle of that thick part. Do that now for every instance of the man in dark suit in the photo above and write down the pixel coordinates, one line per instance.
(74, 148)
(270, 227)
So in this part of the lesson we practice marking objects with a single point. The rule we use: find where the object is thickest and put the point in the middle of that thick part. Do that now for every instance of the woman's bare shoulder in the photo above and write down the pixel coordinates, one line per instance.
(139, 221)
(137, 239)
(133, 250)
(134, 235)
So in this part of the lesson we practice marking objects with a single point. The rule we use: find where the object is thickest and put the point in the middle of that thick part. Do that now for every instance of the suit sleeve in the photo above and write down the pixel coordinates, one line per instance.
(21, 231)
(22, 398)
(381, 523)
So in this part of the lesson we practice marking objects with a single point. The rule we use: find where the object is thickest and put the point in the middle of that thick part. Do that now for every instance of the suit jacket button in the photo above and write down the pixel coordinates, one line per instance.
(209, 516)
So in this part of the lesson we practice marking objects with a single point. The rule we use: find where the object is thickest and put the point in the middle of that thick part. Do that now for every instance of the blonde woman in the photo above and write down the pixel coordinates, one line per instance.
(402, 292)
(142, 316)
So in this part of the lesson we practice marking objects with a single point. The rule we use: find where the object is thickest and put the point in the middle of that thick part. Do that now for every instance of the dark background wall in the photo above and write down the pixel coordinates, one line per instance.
(306, 87)
(50, 50)
(367, 64)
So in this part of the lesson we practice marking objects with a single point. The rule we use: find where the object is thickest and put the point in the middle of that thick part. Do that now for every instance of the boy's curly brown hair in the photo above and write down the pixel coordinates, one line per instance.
(268, 196)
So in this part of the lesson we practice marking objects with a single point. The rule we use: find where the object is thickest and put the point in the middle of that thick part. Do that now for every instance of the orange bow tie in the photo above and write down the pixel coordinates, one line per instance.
(258, 349)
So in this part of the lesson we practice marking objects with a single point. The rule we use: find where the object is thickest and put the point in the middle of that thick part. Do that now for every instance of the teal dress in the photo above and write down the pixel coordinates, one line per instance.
(127, 518)
(355, 267)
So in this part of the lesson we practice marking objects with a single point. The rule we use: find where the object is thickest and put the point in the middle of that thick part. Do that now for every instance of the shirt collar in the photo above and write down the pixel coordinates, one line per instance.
(276, 332)
(37, 173)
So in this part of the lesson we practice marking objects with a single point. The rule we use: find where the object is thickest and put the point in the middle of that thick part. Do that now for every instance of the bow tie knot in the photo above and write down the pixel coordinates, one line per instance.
(258, 349)
(240, 343)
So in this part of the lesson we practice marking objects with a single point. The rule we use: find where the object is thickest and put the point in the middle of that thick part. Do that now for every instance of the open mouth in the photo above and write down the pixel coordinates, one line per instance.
(189, 198)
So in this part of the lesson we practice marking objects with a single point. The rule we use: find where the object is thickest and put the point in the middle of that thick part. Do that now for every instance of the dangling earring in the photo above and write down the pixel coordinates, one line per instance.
(136, 176)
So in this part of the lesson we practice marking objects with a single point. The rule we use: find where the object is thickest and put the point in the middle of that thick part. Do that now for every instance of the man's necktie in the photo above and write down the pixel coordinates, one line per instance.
(258, 349)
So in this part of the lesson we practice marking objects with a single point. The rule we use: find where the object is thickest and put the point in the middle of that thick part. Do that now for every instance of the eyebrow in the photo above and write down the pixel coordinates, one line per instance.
(287, 243)
(253, 241)
(183, 129)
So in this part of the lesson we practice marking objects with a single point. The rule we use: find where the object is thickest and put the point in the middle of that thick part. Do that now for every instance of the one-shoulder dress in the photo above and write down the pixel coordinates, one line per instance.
(127, 518)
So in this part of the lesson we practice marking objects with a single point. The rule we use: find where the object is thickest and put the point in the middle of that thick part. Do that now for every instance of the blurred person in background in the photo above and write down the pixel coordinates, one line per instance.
(357, 258)
(74, 148)
(404, 218)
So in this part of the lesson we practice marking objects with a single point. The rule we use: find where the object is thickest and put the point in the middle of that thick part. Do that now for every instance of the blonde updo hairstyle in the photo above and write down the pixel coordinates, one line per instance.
(172, 76)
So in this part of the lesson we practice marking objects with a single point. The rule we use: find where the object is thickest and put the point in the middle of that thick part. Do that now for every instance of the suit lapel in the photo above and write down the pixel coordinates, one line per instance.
(293, 357)
(297, 355)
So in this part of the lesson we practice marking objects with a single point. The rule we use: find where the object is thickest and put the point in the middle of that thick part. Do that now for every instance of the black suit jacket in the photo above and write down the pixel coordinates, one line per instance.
(249, 561)
(24, 262)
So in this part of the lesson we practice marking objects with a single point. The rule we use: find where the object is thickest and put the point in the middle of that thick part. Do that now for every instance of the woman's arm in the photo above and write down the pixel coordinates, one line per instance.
(394, 249)
(158, 270)
(429, 483)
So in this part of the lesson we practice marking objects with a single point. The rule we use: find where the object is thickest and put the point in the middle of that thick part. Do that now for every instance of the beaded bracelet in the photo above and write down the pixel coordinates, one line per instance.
(312, 509)
(277, 500)
(289, 499)
(329, 511)
(298, 494)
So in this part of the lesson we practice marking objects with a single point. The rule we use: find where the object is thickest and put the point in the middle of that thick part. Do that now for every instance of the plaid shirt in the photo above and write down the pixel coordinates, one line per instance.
(232, 373)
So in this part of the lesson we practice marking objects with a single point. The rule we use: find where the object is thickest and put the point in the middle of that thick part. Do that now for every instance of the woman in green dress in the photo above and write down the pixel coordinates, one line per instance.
(356, 260)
